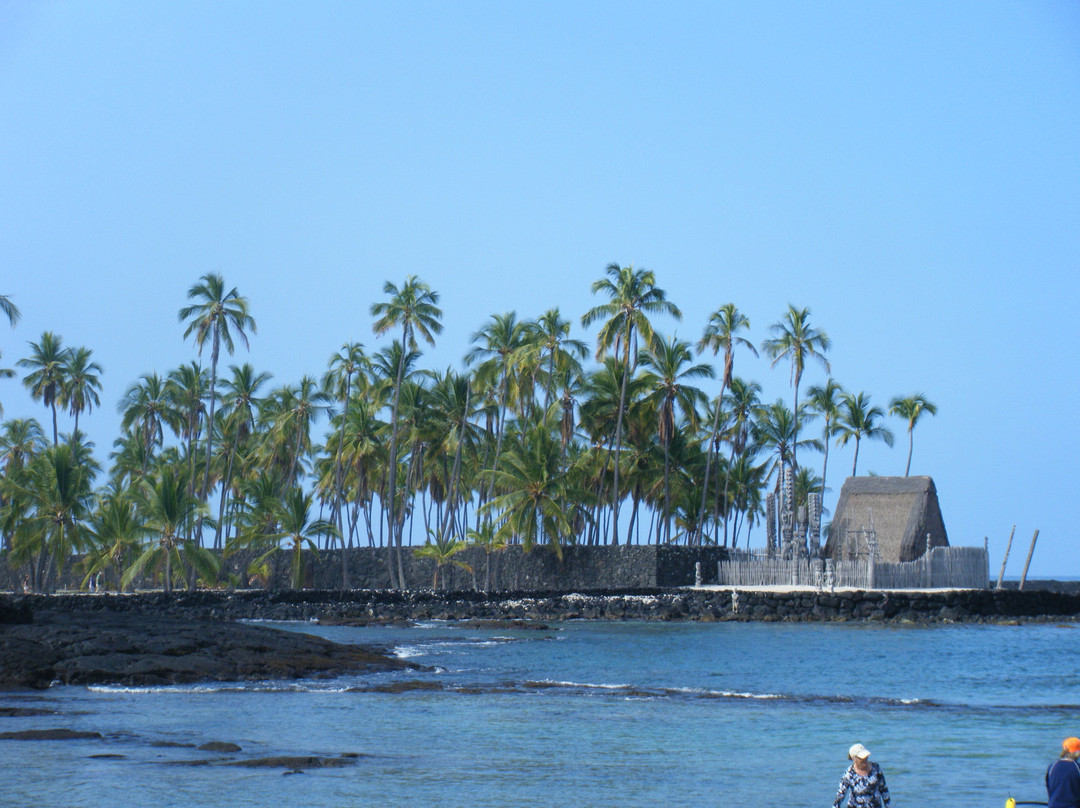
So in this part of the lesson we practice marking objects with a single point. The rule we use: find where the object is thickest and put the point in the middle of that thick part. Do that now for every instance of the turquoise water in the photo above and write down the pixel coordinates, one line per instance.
(587, 714)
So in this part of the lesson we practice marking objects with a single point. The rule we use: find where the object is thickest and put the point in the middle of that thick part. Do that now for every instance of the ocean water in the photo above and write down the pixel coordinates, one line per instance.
(584, 714)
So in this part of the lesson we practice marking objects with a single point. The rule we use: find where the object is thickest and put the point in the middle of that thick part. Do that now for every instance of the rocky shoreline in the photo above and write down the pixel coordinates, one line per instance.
(706, 603)
(48, 645)
(163, 638)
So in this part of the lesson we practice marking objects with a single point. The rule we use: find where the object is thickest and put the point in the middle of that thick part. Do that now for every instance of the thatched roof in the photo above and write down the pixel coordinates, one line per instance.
(900, 510)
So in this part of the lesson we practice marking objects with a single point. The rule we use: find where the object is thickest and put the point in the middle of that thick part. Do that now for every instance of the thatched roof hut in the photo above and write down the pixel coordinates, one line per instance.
(900, 511)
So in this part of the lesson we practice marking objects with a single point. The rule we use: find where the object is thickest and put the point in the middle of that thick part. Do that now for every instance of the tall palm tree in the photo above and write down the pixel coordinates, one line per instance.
(47, 363)
(633, 297)
(911, 409)
(826, 400)
(240, 408)
(796, 340)
(187, 389)
(560, 353)
(9, 309)
(21, 439)
(721, 333)
(213, 316)
(346, 366)
(81, 383)
(859, 420)
(414, 309)
(290, 413)
(774, 431)
(498, 347)
(149, 406)
(668, 369)
(58, 486)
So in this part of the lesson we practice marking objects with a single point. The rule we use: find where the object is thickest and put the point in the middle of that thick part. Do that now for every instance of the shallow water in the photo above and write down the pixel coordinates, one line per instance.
(596, 714)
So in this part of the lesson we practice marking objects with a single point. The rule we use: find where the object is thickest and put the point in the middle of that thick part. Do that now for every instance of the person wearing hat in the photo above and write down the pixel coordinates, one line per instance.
(1063, 777)
(864, 782)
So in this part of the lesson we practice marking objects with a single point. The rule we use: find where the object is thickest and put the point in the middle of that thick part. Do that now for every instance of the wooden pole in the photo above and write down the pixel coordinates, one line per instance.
(1030, 551)
(1008, 547)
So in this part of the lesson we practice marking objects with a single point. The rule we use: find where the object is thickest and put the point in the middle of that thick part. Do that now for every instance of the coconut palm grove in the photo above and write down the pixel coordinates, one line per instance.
(541, 440)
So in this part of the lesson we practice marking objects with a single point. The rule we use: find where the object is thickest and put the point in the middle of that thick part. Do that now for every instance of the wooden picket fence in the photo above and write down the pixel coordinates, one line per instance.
(940, 568)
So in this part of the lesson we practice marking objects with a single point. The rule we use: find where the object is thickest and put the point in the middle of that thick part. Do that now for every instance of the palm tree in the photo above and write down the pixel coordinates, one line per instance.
(825, 400)
(774, 430)
(187, 390)
(442, 552)
(413, 308)
(296, 526)
(58, 488)
(149, 406)
(116, 531)
(561, 354)
(9, 310)
(502, 342)
(213, 317)
(859, 420)
(240, 406)
(721, 333)
(669, 367)
(47, 363)
(795, 339)
(633, 296)
(491, 541)
(168, 511)
(290, 412)
(911, 409)
(81, 383)
(346, 365)
(20, 440)
(532, 505)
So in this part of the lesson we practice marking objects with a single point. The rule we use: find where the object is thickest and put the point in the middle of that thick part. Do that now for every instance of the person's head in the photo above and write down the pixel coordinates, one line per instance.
(1070, 748)
(858, 754)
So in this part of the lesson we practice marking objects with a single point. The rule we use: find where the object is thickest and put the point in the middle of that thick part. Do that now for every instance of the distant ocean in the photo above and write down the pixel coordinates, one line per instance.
(584, 714)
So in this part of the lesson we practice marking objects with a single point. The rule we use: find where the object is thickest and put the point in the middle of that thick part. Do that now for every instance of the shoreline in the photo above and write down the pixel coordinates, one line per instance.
(181, 637)
(704, 603)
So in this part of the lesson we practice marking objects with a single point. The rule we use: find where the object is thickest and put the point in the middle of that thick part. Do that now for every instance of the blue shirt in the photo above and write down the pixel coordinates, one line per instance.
(1063, 784)
(867, 790)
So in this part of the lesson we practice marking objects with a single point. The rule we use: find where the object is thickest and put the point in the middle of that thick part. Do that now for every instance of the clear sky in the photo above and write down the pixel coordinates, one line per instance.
(909, 171)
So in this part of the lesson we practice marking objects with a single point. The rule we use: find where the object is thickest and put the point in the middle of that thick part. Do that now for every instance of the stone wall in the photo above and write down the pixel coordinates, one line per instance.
(580, 569)
(706, 605)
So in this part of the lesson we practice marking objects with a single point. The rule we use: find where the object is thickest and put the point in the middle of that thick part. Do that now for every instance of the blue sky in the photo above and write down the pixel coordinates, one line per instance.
(908, 171)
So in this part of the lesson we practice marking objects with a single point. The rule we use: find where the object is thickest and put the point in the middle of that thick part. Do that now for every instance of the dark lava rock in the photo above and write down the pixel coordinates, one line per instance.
(47, 735)
(220, 746)
(504, 625)
(294, 763)
(24, 712)
(105, 647)
(15, 611)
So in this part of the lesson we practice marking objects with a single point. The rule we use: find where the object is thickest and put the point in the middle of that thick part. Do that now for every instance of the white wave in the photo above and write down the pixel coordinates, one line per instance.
(583, 685)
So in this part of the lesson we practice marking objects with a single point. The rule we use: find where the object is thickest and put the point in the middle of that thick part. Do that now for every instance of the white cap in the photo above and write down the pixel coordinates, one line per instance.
(858, 751)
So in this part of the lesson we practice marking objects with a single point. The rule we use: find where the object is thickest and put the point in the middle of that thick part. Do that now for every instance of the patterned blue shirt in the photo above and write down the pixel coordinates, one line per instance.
(867, 790)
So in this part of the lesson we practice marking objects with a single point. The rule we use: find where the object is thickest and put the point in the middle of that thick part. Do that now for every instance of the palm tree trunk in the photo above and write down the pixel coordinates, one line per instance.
(210, 418)
(618, 453)
(392, 483)
(910, 446)
(708, 462)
